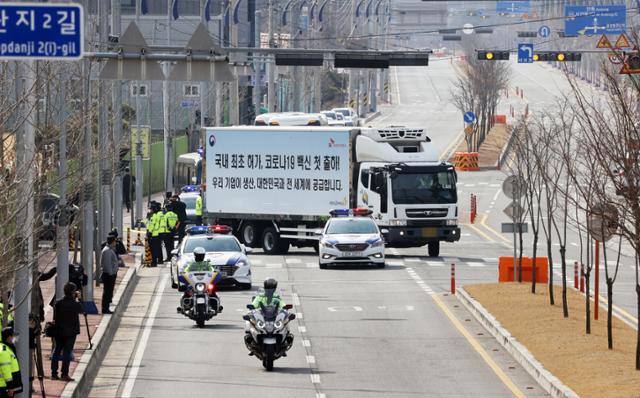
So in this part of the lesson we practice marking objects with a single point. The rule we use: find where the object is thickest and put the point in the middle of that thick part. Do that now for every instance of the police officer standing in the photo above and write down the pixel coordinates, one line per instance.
(180, 208)
(171, 220)
(199, 208)
(153, 233)
(13, 384)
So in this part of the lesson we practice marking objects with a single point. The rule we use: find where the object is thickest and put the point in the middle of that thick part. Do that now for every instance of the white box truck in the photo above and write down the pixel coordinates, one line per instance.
(276, 185)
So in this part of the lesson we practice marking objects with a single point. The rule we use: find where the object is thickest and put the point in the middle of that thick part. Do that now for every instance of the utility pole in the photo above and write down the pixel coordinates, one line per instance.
(103, 141)
(234, 92)
(62, 231)
(117, 125)
(25, 158)
(204, 86)
(168, 158)
(138, 149)
(257, 92)
(271, 95)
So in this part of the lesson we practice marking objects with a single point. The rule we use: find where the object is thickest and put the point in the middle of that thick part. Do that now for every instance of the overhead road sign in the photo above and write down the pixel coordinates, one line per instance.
(513, 7)
(399, 59)
(559, 56)
(509, 227)
(447, 31)
(301, 59)
(544, 31)
(525, 53)
(591, 20)
(41, 31)
(528, 34)
(469, 117)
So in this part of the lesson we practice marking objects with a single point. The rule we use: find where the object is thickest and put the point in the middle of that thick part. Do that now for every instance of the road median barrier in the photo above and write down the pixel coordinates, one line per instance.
(466, 161)
(507, 271)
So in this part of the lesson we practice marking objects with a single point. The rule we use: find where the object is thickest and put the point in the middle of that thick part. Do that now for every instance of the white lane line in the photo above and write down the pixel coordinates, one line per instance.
(483, 183)
(490, 259)
(293, 260)
(299, 315)
(311, 359)
(494, 185)
(320, 395)
(302, 329)
(451, 260)
(357, 309)
(395, 262)
(574, 244)
(144, 339)
(315, 378)
(256, 261)
(274, 265)
(306, 343)
(434, 264)
(296, 299)
(410, 308)
(332, 309)
(477, 264)
(495, 197)
(413, 259)
(465, 234)
(382, 307)
(395, 252)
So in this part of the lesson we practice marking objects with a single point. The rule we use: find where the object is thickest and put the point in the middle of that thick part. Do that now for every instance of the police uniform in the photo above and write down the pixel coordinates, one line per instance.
(154, 239)
(199, 210)
(161, 226)
(171, 219)
(6, 359)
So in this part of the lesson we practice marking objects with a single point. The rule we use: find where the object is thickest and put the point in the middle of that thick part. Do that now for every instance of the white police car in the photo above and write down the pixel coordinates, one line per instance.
(351, 237)
(223, 250)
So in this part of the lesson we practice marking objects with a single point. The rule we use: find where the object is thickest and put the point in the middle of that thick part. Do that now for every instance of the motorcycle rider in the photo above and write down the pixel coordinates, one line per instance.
(199, 264)
(269, 296)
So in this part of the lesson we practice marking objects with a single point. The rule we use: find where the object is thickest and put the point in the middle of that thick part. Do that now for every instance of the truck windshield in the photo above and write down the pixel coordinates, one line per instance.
(424, 188)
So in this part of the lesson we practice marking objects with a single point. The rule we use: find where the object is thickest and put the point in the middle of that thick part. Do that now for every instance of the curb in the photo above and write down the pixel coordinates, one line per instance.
(371, 117)
(91, 359)
(519, 352)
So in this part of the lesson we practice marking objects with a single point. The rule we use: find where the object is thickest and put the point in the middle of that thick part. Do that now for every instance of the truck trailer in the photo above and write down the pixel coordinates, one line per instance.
(275, 186)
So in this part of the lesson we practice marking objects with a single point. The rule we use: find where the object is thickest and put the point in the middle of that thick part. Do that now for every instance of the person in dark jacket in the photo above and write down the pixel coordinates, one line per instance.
(180, 208)
(128, 188)
(66, 316)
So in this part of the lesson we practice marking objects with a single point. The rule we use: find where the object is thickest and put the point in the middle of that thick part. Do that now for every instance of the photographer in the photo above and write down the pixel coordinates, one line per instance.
(66, 318)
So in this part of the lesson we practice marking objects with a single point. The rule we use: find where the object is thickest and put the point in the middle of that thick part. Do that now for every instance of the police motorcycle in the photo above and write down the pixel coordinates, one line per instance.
(267, 334)
(199, 301)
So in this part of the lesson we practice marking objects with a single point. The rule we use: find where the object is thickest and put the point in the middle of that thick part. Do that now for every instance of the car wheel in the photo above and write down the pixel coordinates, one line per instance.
(434, 249)
(381, 265)
(250, 234)
(316, 247)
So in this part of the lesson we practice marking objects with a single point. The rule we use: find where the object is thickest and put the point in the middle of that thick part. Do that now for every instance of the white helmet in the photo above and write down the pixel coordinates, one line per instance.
(199, 253)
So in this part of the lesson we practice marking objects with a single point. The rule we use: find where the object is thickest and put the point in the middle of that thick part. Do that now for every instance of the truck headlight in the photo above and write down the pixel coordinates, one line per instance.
(452, 222)
(398, 223)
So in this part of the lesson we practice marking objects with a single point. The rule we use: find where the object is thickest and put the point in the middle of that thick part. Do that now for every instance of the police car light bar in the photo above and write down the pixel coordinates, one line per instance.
(190, 188)
(362, 211)
(220, 229)
(198, 230)
(339, 213)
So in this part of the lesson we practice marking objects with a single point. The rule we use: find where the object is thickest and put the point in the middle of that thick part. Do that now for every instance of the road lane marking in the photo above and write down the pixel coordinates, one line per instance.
(296, 299)
(357, 309)
(496, 233)
(144, 339)
(483, 354)
(434, 264)
(293, 260)
(302, 329)
(312, 265)
(274, 265)
(315, 378)
(495, 197)
(299, 315)
(311, 359)
(306, 343)
(476, 264)
(479, 232)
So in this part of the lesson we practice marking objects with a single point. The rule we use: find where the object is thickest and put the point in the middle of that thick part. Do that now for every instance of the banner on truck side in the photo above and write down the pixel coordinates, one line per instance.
(274, 171)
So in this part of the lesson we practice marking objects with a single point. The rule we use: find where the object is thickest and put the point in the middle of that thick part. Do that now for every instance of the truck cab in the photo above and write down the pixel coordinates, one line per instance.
(411, 193)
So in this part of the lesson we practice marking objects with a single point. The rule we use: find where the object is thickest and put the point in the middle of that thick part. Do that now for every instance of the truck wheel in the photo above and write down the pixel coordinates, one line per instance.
(283, 246)
(250, 234)
(434, 249)
(270, 241)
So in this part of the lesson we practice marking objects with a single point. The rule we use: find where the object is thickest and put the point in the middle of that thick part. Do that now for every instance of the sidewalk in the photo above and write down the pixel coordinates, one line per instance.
(54, 388)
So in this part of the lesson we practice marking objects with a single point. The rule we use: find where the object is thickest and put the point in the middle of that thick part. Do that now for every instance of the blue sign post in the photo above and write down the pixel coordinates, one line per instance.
(469, 117)
(595, 20)
(525, 53)
(544, 31)
(41, 31)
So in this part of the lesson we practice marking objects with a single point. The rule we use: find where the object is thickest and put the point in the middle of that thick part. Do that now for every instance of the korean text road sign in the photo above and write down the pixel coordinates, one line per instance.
(592, 20)
(142, 133)
(41, 31)
(525, 53)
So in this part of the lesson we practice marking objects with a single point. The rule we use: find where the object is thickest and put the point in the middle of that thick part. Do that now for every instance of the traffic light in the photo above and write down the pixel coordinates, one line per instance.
(560, 56)
(493, 55)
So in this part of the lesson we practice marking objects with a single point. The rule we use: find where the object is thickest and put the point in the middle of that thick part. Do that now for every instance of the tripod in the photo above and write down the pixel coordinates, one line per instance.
(37, 360)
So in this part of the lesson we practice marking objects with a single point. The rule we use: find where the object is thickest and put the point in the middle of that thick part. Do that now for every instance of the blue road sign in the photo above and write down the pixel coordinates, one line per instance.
(544, 31)
(595, 20)
(469, 117)
(513, 7)
(525, 53)
(41, 31)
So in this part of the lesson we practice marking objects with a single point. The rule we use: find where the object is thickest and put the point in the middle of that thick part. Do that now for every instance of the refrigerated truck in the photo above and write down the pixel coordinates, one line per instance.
(275, 186)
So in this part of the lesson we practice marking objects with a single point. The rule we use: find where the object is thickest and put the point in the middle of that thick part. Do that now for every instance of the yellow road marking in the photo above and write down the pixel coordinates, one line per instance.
(623, 312)
(483, 354)
(455, 142)
(479, 232)
(496, 233)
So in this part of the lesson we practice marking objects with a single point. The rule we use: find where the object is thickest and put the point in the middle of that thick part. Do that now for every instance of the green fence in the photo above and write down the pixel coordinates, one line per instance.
(153, 168)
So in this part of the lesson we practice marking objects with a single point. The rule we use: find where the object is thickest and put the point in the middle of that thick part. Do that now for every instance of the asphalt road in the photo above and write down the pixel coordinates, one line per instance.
(390, 332)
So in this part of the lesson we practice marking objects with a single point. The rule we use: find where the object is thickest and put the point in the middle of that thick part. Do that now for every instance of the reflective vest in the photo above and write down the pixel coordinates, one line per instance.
(154, 224)
(7, 362)
(162, 224)
(199, 266)
(9, 315)
(199, 206)
(171, 219)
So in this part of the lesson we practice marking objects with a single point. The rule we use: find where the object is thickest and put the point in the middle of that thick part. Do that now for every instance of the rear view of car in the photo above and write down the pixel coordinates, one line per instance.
(351, 237)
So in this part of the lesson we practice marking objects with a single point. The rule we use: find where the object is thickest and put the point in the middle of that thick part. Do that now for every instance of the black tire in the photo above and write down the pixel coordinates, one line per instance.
(268, 357)
(244, 286)
(271, 241)
(434, 249)
(322, 266)
(381, 265)
(284, 246)
(316, 247)
(200, 316)
(250, 234)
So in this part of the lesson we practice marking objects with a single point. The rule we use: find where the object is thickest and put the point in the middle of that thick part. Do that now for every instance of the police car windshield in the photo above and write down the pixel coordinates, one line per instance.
(189, 201)
(217, 244)
(351, 226)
